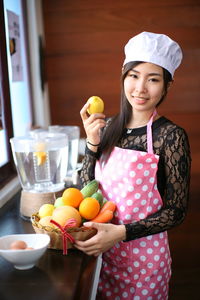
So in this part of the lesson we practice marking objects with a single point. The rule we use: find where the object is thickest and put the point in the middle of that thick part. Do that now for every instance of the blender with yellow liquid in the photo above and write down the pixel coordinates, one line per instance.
(41, 161)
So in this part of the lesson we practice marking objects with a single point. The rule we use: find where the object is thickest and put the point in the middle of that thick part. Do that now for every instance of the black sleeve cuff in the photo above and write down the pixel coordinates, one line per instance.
(88, 151)
(134, 231)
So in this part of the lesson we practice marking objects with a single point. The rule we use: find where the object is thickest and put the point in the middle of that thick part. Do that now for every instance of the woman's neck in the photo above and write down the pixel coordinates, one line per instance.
(140, 119)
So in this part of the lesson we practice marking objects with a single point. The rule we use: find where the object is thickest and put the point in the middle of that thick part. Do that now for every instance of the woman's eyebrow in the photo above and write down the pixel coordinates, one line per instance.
(149, 74)
(155, 74)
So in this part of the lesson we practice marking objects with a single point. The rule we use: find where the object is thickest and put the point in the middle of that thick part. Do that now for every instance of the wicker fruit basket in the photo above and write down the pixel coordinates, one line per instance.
(56, 236)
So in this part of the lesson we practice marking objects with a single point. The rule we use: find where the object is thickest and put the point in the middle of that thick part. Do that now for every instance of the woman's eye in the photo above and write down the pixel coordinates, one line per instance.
(154, 79)
(133, 75)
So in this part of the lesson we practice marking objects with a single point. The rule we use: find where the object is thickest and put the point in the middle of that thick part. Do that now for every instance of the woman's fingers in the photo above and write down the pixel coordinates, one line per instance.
(107, 235)
(83, 112)
(89, 250)
(92, 126)
(88, 244)
(91, 119)
(92, 246)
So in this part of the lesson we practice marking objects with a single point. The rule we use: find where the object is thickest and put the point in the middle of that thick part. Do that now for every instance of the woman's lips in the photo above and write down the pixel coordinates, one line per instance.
(140, 100)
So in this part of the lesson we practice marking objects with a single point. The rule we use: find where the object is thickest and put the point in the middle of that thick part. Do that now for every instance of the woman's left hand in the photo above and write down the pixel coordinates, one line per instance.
(106, 237)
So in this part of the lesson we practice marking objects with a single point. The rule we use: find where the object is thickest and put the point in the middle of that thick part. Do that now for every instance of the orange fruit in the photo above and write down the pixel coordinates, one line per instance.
(62, 214)
(89, 208)
(72, 197)
(41, 157)
(40, 153)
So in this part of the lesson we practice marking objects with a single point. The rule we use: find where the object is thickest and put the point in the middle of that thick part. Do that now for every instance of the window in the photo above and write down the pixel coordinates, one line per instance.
(6, 165)
(15, 96)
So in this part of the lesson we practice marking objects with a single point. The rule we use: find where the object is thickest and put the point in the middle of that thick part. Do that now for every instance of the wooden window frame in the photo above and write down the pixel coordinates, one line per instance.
(8, 171)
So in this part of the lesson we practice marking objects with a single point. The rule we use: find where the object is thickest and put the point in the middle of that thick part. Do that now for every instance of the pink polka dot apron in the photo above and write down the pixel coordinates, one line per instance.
(138, 269)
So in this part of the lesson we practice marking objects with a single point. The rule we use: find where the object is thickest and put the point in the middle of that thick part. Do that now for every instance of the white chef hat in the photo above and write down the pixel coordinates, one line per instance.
(155, 48)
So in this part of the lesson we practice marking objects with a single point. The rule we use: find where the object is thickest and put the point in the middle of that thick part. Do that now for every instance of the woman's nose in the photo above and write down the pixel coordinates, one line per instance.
(140, 85)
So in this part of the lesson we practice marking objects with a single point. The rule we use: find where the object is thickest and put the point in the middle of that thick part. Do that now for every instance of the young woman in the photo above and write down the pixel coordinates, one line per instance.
(142, 161)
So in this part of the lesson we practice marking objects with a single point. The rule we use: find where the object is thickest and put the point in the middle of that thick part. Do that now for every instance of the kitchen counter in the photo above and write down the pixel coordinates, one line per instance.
(55, 276)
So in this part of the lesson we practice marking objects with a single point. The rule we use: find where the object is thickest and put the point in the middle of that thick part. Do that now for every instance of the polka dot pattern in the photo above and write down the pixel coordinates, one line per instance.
(138, 269)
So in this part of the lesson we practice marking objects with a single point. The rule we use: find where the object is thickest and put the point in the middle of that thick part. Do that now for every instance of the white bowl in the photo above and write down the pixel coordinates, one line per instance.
(24, 259)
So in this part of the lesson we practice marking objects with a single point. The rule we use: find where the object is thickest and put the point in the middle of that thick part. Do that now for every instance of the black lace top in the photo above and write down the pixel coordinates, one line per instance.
(170, 142)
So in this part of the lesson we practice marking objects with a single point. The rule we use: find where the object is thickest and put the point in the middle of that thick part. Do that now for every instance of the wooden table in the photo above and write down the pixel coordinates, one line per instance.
(55, 277)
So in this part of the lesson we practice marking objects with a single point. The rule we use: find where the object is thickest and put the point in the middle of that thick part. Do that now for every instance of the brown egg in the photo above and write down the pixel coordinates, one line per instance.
(18, 245)
(28, 248)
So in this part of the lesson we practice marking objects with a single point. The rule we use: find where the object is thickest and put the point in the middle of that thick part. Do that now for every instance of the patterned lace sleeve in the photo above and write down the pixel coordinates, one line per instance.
(175, 154)
(88, 164)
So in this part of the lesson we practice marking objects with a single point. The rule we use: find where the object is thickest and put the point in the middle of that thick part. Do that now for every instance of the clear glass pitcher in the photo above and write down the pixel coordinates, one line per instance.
(73, 134)
(41, 160)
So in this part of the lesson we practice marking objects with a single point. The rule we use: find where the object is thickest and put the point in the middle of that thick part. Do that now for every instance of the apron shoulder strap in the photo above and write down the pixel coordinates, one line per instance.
(149, 134)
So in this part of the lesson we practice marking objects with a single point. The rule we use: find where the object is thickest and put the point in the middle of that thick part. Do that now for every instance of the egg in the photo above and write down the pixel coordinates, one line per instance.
(18, 245)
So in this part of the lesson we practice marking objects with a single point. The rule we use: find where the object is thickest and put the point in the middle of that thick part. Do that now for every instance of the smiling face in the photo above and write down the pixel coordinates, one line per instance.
(144, 86)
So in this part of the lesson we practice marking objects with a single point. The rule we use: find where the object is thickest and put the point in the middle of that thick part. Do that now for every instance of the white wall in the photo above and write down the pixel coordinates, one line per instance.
(35, 30)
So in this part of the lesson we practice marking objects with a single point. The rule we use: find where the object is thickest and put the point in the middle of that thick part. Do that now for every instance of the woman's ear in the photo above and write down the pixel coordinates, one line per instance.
(170, 84)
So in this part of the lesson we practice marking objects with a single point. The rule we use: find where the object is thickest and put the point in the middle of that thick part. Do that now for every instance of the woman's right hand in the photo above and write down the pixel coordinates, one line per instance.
(106, 237)
(92, 125)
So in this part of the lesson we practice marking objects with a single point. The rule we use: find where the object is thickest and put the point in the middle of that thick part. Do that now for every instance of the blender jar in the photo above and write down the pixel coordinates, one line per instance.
(73, 134)
(41, 161)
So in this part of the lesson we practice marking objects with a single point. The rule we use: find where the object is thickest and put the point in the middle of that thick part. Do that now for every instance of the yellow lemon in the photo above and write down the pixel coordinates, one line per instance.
(96, 105)
(46, 210)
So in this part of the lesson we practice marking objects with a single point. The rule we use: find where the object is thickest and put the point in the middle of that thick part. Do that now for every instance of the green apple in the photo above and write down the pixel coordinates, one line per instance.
(59, 202)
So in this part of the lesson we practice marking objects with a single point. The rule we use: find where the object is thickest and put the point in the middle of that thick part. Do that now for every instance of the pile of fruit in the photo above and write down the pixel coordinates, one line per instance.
(82, 205)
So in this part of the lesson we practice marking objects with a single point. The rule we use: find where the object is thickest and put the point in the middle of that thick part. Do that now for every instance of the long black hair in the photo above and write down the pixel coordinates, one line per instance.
(113, 131)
